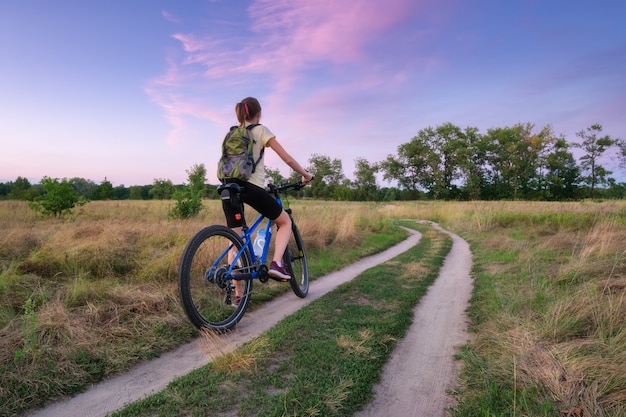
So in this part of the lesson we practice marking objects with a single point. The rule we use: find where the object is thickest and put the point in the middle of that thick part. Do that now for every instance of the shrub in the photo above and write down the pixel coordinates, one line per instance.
(186, 207)
(58, 198)
(189, 201)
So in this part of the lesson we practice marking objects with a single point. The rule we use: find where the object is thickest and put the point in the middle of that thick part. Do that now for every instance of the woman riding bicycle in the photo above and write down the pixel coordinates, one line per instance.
(248, 112)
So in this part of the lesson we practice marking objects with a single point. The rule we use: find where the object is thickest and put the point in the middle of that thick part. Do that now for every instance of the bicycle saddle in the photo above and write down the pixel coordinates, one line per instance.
(233, 187)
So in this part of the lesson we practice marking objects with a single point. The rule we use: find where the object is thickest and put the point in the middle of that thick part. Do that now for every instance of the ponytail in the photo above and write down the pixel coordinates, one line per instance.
(247, 109)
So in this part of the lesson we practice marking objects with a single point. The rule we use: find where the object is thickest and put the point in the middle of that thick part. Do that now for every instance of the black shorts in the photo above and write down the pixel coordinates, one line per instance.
(257, 198)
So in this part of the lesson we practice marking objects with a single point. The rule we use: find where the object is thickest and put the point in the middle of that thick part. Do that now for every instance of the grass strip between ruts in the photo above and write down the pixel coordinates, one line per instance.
(321, 361)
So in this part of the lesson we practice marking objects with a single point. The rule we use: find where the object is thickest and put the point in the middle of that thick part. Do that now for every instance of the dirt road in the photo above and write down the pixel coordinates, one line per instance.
(421, 368)
(442, 323)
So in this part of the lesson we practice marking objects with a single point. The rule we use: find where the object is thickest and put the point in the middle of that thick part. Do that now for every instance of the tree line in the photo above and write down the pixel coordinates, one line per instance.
(517, 162)
(443, 162)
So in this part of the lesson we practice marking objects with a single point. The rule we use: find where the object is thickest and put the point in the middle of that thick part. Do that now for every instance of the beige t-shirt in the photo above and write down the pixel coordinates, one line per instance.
(262, 135)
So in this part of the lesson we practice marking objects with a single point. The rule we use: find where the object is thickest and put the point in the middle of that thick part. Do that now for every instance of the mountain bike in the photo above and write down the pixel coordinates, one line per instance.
(216, 257)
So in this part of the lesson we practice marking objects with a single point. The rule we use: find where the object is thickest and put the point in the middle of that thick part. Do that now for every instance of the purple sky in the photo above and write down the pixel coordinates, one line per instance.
(144, 89)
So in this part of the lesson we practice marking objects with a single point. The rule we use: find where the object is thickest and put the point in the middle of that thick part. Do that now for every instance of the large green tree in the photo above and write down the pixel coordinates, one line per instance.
(433, 160)
(135, 192)
(409, 166)
(561, 172)
(594, 147)
(104, 191)
(162, 189)
(447, 143)
(473, 163)
(514, 158)
(328, 175)
(22, 189)
(365, 179)
(83, 187)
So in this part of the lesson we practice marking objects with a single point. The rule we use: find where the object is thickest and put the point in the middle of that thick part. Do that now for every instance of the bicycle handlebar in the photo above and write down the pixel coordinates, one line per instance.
(275, 189)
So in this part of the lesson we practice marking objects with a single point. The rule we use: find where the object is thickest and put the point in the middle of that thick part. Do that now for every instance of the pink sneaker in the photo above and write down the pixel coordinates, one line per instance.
(278, 271)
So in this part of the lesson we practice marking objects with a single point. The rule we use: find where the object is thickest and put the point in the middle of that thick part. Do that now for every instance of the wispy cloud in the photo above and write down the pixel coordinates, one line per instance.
(326, 30)
(279, 42)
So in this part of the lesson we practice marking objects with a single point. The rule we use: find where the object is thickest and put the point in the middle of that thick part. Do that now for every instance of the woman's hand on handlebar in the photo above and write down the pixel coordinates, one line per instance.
(307, 178)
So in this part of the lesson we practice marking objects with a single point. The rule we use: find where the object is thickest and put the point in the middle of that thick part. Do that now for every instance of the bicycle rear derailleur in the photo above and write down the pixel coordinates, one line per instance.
(218, 276)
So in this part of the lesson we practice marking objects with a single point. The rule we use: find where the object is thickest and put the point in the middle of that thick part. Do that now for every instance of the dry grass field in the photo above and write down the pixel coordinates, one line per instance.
(89, 295)
(549, 305)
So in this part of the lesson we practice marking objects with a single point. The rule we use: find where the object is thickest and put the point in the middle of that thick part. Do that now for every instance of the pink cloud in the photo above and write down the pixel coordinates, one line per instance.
(289, 35)
(178, 107)
(285, 39)
(326, 29)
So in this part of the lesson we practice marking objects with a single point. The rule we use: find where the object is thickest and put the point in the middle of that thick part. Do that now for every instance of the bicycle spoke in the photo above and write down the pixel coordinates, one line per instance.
(207, 292)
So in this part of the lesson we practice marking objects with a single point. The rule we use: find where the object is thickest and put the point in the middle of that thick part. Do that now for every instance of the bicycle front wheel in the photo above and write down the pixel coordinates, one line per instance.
(295, 261)
(206, 293)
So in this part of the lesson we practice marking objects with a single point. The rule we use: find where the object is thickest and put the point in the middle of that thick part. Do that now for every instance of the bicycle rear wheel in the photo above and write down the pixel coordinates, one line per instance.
(206, 294)
(295, 261)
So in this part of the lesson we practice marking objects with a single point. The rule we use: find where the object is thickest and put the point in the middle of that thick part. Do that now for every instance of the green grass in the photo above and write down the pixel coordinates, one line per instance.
(321, 361)
(132, 319)
(548, 309)
(547, 327)
(323, 261)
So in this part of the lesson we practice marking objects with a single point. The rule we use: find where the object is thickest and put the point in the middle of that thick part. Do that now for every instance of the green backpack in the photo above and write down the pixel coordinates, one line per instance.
(237, 159)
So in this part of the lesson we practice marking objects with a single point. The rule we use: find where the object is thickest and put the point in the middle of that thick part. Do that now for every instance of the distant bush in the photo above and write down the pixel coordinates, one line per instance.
(186, 207)
(58, 198)
(189, 200)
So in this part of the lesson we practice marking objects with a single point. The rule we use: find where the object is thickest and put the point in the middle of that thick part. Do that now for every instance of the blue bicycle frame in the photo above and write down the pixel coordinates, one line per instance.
(248, 243)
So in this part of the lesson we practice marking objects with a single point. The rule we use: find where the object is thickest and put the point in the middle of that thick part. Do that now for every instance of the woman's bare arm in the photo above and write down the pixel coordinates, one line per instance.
(289, 160)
